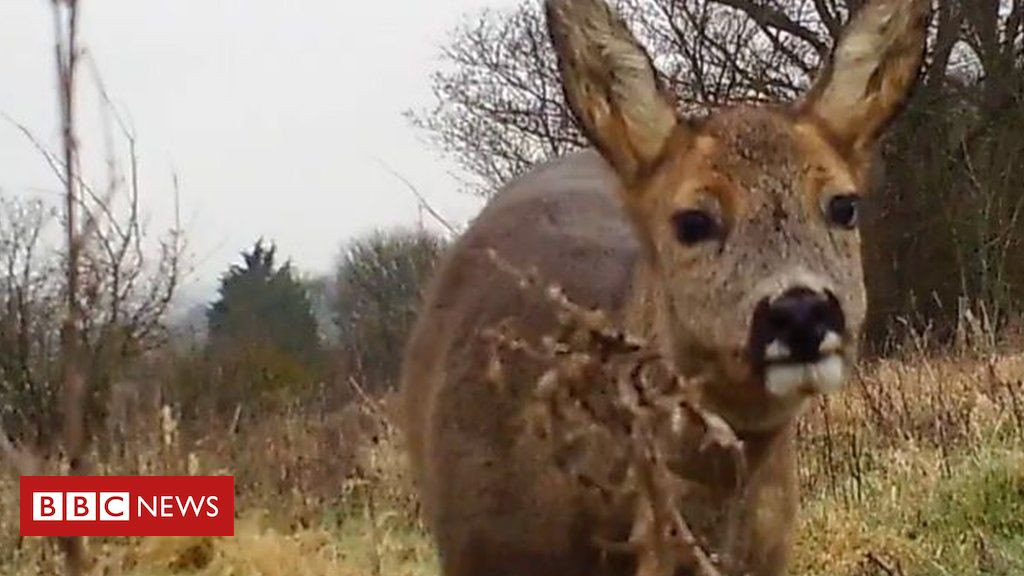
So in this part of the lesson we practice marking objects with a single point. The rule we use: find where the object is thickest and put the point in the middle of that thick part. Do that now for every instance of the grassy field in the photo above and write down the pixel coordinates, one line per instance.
(917, 470)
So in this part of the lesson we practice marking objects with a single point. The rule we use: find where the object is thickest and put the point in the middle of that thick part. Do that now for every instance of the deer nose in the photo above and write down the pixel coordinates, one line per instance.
(799, 326)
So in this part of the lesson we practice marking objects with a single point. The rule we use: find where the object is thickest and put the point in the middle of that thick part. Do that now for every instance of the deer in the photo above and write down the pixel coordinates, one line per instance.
(729, 241)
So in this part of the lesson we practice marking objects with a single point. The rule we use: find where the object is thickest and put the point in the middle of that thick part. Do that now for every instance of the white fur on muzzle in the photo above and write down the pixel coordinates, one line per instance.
(823, 376)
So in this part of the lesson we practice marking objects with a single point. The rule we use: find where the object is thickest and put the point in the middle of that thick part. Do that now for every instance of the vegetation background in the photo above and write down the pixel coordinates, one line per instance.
(287, 381)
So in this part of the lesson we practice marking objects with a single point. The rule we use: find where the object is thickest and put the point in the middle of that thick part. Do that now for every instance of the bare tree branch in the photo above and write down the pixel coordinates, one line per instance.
(419, 198)
(769, 17)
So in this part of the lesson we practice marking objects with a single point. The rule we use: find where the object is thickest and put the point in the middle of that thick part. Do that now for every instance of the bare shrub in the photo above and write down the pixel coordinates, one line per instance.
(378, 287)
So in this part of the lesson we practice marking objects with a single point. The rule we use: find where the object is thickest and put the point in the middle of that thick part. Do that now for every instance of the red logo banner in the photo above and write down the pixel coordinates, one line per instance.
(127, 506)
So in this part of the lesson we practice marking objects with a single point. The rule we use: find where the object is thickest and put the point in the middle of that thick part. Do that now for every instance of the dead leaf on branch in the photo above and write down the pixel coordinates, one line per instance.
(603, 392)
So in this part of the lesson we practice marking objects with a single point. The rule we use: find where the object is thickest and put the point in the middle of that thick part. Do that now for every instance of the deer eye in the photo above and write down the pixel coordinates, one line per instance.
(842, 210)
(693, 226)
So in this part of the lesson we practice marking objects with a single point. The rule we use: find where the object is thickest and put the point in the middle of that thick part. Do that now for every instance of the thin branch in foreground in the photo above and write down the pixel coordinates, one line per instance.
(65, 19)
(605, 391)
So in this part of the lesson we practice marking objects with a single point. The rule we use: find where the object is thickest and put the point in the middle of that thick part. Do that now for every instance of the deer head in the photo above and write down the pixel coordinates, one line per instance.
(749, 216)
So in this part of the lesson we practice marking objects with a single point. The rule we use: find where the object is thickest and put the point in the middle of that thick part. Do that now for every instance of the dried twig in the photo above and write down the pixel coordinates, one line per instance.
(370, 403)
(65, 18)
(420, 198)
(884, 566)
(605, 391)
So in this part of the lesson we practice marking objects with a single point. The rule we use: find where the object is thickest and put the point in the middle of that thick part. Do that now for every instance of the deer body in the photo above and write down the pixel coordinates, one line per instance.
(731, 244)
(528, 518)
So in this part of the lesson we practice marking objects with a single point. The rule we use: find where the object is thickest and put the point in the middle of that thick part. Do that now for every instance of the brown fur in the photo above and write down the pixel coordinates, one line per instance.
(601, 228)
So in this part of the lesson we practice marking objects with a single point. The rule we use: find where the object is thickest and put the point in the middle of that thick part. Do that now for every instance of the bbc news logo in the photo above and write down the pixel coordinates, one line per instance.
(127, 506)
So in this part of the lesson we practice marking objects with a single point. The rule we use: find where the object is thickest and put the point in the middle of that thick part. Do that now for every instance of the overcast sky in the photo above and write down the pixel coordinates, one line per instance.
(272, 112)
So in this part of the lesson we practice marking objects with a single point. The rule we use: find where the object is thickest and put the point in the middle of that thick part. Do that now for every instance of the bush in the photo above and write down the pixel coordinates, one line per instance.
(379, 283)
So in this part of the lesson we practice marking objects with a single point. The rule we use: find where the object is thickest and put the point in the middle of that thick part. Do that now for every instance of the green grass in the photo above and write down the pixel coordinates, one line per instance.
(922, 519)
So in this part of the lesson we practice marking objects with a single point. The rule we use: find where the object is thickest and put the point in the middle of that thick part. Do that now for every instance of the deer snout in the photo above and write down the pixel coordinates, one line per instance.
(799, 322)
(796, 340)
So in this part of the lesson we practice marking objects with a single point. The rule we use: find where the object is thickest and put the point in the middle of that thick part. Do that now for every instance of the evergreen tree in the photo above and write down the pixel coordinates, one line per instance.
(263, 302)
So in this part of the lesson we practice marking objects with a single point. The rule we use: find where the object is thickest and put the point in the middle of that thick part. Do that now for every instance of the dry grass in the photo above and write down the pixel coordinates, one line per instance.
(917, 520)
(918, 470)
(257, 548)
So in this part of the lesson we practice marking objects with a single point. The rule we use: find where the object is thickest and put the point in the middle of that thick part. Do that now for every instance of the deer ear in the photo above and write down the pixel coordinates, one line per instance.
(610, 85)
(873, 69)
